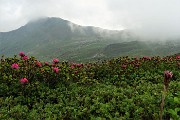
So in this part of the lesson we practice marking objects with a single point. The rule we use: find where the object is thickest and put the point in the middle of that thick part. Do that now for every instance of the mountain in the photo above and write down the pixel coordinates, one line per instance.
(49, 38)
(142, 48)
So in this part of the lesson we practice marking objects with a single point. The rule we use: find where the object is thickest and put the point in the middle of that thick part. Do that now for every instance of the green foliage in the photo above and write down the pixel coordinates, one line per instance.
(102, 90)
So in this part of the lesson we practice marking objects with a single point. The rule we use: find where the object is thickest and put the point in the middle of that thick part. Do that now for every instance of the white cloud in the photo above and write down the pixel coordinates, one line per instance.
(150, 18)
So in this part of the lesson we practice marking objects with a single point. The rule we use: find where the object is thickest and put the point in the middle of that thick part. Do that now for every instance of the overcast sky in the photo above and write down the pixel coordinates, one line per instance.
(146, 17)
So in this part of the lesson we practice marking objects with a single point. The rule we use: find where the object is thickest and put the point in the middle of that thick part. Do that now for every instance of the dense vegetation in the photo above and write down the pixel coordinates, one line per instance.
(122, 88)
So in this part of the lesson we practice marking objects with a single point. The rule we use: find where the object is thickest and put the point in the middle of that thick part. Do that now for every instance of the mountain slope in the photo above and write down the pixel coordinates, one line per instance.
(48, 38)
(54, 37)
(142, 48)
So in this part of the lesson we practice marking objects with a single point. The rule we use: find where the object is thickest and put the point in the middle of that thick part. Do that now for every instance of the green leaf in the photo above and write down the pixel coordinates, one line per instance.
(176, 100)
(177, 109)
(172, 112)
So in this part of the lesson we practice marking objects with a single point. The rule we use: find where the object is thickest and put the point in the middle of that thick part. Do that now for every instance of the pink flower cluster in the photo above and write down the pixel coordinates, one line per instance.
(55, 61)
(123, 66)
(72, 67)
(38, 64)
(46, 63)
(24, 80)
(146, 58)
(55, 69)
(178, 57)
(23, 56)
(168, 74)
(14, 66)
(76, 65)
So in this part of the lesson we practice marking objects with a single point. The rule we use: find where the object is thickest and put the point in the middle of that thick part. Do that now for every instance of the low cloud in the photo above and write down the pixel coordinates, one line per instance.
(155, 19)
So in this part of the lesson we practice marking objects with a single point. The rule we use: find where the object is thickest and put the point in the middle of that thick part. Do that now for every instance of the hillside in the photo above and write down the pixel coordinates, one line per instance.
(142, 48)
(47, 38)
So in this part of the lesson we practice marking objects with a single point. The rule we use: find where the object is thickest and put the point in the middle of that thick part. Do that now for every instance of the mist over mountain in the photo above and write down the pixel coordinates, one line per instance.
(47, 38)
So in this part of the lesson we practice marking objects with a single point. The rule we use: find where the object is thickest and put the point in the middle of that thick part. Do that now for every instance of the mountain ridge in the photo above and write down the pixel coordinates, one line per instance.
(48, 38)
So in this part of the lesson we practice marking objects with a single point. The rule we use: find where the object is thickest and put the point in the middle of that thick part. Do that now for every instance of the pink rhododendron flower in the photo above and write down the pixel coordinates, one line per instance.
(170, 59)
(123, 66)
(24, 80)
(168, 74)
(15, 66)
(38, 64)
(178, 57)
(53, 65)
(21, 54)
(25, 57)
(56, 70)
(46, 63)
(55, 60)
(72, 66)
(78, 65)
(137, 65)
(146, 58)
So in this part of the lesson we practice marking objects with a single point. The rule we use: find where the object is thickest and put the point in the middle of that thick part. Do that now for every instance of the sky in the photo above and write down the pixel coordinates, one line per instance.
(148, 18)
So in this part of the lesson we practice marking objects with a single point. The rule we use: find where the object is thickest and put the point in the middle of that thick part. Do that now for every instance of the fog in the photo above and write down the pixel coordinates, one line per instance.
(150, 19)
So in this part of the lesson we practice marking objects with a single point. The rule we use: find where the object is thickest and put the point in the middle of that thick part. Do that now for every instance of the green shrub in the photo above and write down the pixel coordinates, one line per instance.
(122, 88)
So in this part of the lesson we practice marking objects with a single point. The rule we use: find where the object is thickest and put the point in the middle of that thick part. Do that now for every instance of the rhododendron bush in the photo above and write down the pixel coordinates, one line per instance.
(120, 88)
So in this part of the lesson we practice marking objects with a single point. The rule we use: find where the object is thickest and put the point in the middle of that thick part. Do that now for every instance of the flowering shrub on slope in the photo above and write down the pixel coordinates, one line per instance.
(121, 88)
